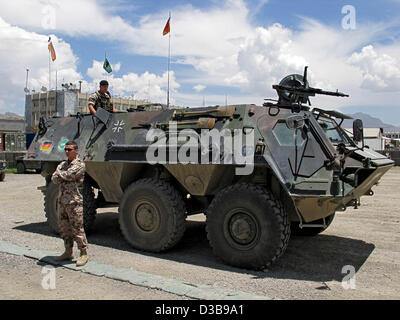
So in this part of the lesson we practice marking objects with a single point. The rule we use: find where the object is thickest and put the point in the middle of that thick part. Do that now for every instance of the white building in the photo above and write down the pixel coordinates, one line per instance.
(63, 103)
(373, 137)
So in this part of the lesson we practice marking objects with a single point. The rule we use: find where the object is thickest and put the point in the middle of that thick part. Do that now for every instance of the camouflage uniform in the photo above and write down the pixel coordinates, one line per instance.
(69, 175)
(101, 100)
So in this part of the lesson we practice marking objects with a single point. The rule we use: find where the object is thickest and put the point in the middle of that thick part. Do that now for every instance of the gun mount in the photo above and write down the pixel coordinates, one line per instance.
(294, 91)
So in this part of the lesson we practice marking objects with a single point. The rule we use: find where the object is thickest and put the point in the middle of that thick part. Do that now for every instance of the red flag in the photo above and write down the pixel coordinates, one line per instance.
(52, 51)
(167, 28)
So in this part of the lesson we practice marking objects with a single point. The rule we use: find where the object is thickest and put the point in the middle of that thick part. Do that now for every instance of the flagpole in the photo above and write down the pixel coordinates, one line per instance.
(47, 101)
(49, 70)
(169, 58)
(56, 92)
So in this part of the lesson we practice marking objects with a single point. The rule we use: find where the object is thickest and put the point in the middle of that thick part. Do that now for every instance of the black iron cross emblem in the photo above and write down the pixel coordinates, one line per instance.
(119, 125)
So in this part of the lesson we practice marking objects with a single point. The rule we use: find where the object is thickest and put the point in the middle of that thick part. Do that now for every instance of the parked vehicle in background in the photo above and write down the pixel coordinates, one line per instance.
(23, 165)
(3, 169)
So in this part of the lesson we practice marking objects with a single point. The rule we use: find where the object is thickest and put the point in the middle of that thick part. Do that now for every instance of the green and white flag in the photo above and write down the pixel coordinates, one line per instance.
(107, 66)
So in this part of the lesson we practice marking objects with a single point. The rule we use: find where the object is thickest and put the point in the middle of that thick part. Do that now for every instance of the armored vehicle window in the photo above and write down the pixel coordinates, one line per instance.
(332, 131)
(287, 137)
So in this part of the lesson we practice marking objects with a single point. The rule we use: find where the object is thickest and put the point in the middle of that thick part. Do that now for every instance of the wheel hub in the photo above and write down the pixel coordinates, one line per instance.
(242, 228)
(147, 217)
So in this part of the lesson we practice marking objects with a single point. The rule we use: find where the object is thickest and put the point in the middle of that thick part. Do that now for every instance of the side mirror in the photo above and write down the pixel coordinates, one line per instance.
(295, 122)
(358, 131)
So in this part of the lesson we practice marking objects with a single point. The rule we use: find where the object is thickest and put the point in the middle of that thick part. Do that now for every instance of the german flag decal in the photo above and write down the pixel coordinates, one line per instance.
(46, 147)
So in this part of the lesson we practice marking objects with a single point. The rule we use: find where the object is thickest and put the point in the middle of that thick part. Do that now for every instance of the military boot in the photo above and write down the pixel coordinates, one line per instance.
(67, 255)
(82, 259)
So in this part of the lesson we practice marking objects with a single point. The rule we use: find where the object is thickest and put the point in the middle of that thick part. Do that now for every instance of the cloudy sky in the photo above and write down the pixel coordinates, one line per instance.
(232, 50)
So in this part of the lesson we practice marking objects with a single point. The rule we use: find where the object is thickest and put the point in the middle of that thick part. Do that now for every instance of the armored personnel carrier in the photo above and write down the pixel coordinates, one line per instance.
(256, 172)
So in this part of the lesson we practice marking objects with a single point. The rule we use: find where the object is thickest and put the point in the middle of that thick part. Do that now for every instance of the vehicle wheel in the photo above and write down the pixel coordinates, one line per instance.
(20, 168)
(152, 215)
(50, 206)
(247, 227)
(89, 205)
(310, 232)
(2, 176)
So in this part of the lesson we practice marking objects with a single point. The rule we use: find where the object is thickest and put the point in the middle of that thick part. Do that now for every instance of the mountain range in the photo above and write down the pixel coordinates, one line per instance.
(11, 116)
(370, 122)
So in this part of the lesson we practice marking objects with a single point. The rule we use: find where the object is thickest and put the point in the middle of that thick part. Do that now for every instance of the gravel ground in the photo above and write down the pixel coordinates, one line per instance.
(27, 279)
(366, 239)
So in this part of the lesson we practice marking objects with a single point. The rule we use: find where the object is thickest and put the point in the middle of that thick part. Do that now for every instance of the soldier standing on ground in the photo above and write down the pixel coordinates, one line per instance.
(69, 175)
(101, 99)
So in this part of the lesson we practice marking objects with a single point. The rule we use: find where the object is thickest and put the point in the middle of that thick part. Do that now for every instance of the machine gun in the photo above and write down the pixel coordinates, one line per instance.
(294, 91)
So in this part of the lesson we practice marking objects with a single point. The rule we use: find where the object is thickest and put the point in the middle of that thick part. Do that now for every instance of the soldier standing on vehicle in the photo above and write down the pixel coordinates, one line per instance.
(69, 175)
(101, 99)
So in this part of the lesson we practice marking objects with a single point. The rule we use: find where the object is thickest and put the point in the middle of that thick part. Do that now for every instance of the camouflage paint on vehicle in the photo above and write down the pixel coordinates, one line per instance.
(295, 159)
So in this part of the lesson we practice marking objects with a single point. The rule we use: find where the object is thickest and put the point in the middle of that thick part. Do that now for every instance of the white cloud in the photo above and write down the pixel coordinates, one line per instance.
(22, 49)
(73, 17)
(199, 87)
(97, 71)
(259, 6)
(381, 72)
(266, 57)
(147, 86)
(215, 30)
(262, 56)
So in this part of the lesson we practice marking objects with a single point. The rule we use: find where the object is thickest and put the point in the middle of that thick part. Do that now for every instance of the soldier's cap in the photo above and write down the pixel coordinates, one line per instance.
(104, 83)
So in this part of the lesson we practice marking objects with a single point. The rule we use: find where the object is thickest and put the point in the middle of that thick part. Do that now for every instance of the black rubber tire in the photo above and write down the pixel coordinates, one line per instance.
(310, 232)
(50, 206)
(2, 176)
(161, 197)
(89, 207)
(270, 226)
(20, 168)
